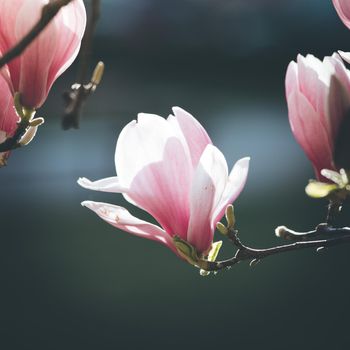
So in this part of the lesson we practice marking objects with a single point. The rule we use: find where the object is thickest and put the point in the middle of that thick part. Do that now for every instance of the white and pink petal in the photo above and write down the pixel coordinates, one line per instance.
(194, 134)
(121, 218)
(343, 9)
(209, 183)
(162, 189)
(234, 186)
(109, 184)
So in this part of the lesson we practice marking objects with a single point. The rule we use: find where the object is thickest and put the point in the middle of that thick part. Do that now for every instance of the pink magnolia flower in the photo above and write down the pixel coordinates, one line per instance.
(8, 116)
(343, 9)
(170, 168)
(49, 55)
(318, 97)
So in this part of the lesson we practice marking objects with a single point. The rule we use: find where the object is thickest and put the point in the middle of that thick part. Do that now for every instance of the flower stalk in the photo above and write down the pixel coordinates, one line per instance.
(331, 236)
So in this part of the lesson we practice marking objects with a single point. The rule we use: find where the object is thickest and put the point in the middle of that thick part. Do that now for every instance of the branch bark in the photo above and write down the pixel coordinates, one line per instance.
(335, 236)
(81, 90)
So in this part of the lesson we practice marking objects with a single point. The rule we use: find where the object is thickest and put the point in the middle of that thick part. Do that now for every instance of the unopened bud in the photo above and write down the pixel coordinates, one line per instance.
(222, 228)
(281, 231)
(98, 73)
(230, 216)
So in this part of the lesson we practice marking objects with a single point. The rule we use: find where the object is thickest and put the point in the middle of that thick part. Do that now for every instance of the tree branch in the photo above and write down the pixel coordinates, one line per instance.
(335, 236)
(80, 91)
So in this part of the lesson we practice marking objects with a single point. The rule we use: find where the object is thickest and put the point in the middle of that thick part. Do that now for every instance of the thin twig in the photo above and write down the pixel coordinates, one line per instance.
(49, 11)
(79, 92)
(338, 236)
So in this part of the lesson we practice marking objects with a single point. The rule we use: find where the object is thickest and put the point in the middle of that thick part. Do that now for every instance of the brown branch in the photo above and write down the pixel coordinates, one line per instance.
(81, 90)
(49, 11)
(336, 236)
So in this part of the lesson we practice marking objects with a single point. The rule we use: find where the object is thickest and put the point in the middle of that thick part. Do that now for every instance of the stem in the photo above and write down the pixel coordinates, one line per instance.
(246, 253)
(334, 207)
(76, 96)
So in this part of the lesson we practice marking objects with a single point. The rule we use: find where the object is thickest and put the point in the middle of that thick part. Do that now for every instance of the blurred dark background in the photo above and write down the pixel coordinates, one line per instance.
(71, 281)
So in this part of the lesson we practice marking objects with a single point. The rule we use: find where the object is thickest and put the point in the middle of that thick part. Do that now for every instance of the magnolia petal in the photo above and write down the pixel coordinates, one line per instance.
(343, 9)
(338, 105)
(8, 38)
(314, 80)
(152, 161)
(120, 218)
(234, 187)
(71, 23)
(195, 135)
(344, 55)
(209, 183)
(33, 73)
(309, 132)
(291, 83)
(8, 115)
(141, 143)
(162, 188)
(109, 184)
(36, 59)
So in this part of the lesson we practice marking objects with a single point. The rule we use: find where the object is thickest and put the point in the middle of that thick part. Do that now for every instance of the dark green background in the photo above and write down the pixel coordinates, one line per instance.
(71, 281)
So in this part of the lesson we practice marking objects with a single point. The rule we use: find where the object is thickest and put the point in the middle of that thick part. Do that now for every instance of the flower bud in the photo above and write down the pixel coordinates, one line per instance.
(318, 97)
(230, 216)
(222, 228)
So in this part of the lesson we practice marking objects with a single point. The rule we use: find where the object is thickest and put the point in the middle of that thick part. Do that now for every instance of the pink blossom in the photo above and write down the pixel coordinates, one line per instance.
(8, 116)
(170, 168)
(343, 9)
(49, 55)
(318, 99)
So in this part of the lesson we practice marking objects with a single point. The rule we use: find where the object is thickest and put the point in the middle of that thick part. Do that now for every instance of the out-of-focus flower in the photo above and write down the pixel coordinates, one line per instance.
(49, 55)
(318, 97)
(8, 116)
(343, 9)
(170, 168)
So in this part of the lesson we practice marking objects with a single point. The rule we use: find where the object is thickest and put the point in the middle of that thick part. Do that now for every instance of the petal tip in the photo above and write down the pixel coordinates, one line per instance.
(85, 204)
(83, 182)
(244, 161)
(177, 109)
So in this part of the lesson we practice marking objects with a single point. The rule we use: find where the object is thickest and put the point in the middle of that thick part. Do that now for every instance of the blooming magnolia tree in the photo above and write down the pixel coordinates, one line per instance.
(169, 167)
